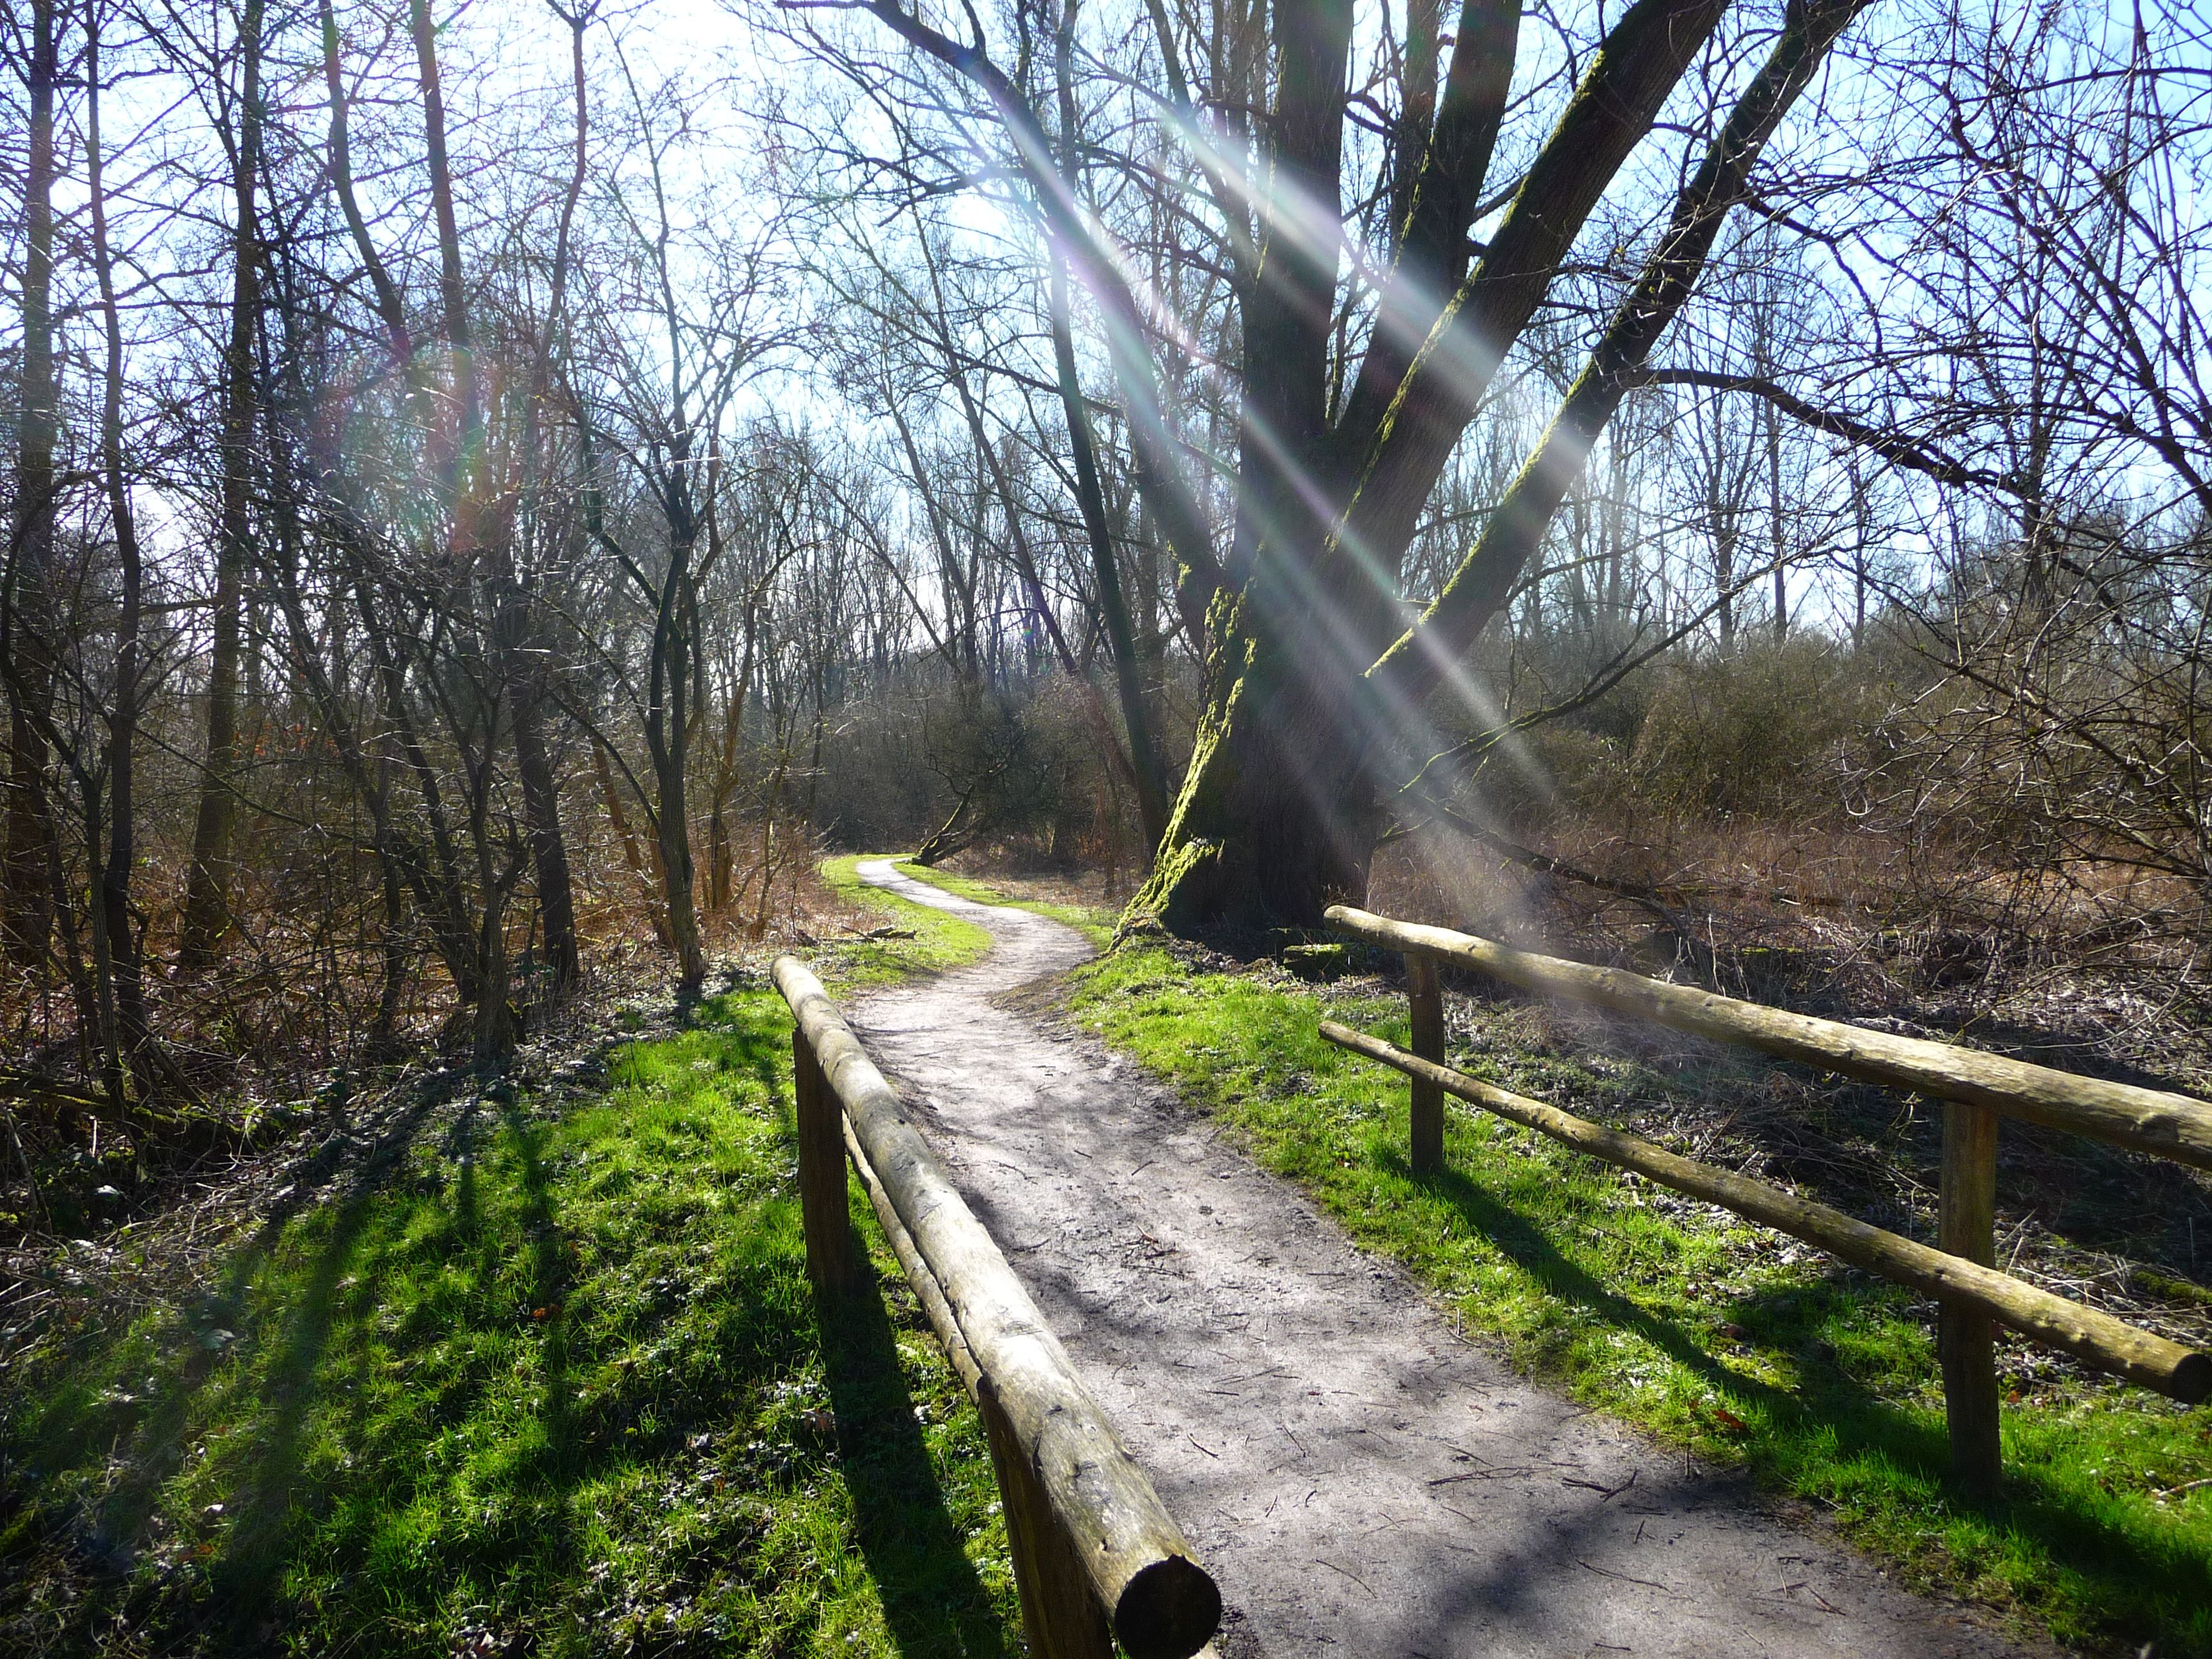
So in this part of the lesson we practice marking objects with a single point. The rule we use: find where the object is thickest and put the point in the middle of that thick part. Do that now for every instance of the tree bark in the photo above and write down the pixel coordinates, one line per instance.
(26, 902)
(206, 895)
(1279, 811)
(134, 1028)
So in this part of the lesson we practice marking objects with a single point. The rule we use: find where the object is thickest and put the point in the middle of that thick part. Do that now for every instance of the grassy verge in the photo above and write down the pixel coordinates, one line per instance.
(544, 1377)
(1725, 1341)
(1094, 924)
(940, 940)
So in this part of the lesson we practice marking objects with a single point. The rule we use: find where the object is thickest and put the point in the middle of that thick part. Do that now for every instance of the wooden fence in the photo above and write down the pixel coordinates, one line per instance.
(1977, 1088)
(1096, 1555)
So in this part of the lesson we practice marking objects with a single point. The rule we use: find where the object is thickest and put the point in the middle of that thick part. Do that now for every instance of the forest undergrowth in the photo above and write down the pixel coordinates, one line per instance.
(530, 1366)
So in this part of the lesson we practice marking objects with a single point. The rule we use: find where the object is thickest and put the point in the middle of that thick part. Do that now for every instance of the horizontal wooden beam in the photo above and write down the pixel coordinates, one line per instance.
(1162, 1603)
(926, 1290)
(2096, 1338)
(2152, 1120)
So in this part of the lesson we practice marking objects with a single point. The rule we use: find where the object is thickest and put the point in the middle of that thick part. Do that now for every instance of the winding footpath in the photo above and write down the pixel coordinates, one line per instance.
(1359, 1480)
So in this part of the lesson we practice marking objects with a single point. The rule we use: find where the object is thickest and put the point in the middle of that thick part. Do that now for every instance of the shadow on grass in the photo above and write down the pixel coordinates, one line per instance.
(377, 1466)
(932, 1598)
(156, 1438)
(1833, 1419)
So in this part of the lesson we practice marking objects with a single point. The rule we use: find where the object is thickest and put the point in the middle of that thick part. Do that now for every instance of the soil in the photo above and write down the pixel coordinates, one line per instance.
(1359, 1479)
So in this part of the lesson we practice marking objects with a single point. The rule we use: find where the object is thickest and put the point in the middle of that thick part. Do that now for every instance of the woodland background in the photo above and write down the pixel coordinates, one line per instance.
(495, 492)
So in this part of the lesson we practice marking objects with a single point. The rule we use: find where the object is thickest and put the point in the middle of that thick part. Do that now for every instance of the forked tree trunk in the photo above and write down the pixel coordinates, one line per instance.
(1279, 811)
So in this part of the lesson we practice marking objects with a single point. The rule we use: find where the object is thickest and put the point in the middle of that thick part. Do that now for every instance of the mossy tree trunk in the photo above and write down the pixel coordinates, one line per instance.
(1279, 810)
(1279, 813)
(1317, 688)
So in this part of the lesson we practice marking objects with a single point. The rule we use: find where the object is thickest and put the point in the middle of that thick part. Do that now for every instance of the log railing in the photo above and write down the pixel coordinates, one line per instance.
(1097, 1556)
(1978, 1090)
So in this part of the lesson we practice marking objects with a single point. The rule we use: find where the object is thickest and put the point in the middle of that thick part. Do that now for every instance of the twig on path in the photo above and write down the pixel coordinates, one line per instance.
(1606, 1494)
(1208, 1451)
(1348, 1573)
(1495, 1472)
(1272, 1371)
(1625, 1579)
(1825, 1602)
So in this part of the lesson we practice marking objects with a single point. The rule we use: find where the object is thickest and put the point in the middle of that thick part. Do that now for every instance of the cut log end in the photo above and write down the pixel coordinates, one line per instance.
(2193, 1380)
(1169, 1610)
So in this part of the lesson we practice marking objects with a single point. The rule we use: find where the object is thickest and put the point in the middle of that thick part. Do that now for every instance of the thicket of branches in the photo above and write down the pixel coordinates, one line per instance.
(485, 484)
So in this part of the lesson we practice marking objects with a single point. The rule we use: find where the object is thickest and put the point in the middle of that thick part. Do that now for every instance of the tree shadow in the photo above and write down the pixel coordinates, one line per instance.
(246, 1577)
(932, 1599)
(147, 1445)
(367, 1463)
(1830, 1403)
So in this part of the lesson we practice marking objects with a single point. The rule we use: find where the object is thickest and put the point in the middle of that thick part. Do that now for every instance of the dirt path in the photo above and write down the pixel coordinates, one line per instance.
(1360, 1481)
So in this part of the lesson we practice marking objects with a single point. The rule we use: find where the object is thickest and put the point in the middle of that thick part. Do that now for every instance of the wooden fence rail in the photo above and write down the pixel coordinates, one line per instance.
(1978, 1089)
(1096, 1555)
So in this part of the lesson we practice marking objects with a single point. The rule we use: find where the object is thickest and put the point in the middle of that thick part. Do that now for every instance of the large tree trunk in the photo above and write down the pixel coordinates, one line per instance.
(1279, 814)
(208, 887)
(1276, 820)
(26, 902)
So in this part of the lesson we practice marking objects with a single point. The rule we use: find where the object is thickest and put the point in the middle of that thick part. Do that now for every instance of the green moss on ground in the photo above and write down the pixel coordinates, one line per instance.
(1722, 1339)
(553, 1382)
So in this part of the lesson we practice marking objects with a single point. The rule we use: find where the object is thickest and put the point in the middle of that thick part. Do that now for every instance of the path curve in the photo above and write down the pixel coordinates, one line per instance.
(1361, 1482)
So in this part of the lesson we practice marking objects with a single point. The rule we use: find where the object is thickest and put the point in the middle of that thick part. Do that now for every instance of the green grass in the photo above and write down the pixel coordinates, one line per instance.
(941, 941)
(1093, 923)
(552, 1381)
(1821, 1381)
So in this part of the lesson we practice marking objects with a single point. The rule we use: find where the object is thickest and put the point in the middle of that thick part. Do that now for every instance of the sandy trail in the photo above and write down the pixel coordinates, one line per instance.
(1360, 1480)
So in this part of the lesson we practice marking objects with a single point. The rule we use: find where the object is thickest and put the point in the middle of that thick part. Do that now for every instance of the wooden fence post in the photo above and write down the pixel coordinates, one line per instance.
(829, 1259)
(1967, 1226)
(1060, 1615)
(1422, 988)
